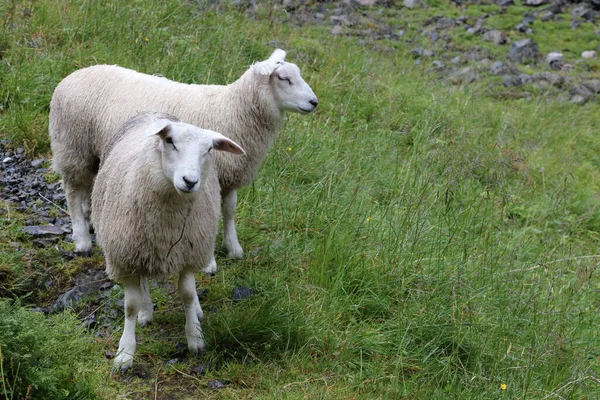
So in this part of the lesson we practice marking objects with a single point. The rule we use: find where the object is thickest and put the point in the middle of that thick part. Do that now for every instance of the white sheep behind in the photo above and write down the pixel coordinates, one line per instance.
(155, 208)
(89, 105)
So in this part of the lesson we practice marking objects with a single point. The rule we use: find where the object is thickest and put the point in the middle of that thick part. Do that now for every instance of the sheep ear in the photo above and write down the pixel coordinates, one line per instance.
(160, 128)
(267, 67)
(278, 55)
(222, 143)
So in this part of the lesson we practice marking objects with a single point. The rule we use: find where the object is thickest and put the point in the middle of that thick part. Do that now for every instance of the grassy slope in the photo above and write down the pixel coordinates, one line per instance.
(415, 239)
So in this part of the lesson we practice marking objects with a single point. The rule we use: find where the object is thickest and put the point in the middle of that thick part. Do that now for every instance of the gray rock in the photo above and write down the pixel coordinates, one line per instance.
(476, 29)
(465, 76)
(592, 85)
(242, 292)
(496, 36)
(498, 68)
(38, 162)
(43, 230)
(583, 11)
(588, 54)
(215, 384)
(546, 16)
(201, 369)
(456, 60)
(444, 23)
(523, 50)
(511, 80)
(544, 79)
(410, 3)
(535, 3)
(504, 3)
(438, 65)
(579, 99)
(337, 30)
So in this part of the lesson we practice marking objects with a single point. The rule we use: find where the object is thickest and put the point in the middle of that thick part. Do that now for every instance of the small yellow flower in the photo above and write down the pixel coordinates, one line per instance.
(289, 149)
(368, 219)
(503, 386)
(146, 38)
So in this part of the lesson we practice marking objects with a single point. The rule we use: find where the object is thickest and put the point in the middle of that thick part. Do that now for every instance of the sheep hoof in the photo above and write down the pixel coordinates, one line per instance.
(211, 269)
(122, 363)
(84, 253)
(144, 319)
(236, 252)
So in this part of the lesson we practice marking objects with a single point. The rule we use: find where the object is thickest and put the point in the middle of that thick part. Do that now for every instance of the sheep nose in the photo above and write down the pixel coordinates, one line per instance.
(190, 183)
(315, 103)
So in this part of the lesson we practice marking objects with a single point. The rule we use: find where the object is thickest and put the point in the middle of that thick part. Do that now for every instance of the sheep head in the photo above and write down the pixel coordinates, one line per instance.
(184, 149)
(290, 91)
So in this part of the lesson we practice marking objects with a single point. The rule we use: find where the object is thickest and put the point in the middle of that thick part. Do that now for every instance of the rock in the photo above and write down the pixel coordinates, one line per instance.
(528, 19)
(511, 80)
(410, 3)
(579, 99)
(438, 65)
(456, 60)
(434, 36)
(475, 29)
(497, 68)
(535, 3)
(554, 59)
(366, 2)
(523, 50)
(215, 384)
(553, 56)
(337, 30)
(201, 369)
(546, 16)
(241, 293)
(43, 231)
(583, 11)
(548, 79)
(172, 361)
(7, 160)
(592, 85)
(496, 36)
(588, 54)
(38, 162)
(464, 76)
(503, 3)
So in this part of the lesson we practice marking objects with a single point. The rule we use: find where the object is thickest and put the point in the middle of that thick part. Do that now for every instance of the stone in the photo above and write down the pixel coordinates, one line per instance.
(504, 3)
(588, 54)
(523, 50)
(511, 80)
(497, 68)
(438, 65)
(242, 292)
(496, 36)
(201, 369)
(535, 3)
(43, 230)
(546, 16)
(579, 99)
(410, 3)
(475, 29)
(592, 85)
(215, 384)
(337, 30)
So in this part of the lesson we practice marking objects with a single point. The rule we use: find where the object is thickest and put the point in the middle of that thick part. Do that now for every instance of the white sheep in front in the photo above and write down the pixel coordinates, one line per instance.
(155, 208)
(89, 104)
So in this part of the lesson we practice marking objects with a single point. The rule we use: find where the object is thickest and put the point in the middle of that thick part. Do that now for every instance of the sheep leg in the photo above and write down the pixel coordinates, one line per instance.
(230, 240)
(77, 197)
(191, 306)
(145, 314)
(133, 303)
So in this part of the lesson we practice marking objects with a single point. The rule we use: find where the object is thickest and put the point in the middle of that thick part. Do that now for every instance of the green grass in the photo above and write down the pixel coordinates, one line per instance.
(408, 240)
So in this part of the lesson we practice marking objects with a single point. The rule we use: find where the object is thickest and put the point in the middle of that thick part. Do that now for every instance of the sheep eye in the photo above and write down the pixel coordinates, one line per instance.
(288, 80)
(169, 140)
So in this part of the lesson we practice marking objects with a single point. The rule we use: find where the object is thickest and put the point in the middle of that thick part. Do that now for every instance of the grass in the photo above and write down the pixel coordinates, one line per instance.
(408, 240)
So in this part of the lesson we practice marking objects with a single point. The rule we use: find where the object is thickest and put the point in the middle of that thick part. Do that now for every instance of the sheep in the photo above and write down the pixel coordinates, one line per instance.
(155, 208)
(90, 103)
